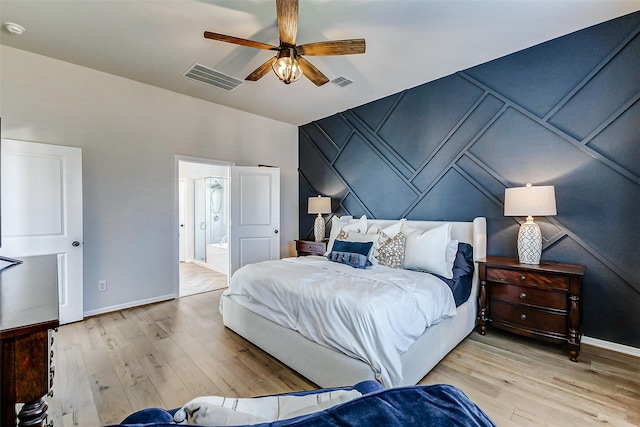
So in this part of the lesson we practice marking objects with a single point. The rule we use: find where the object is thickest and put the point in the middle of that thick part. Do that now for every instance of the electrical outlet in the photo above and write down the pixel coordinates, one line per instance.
(102, 285)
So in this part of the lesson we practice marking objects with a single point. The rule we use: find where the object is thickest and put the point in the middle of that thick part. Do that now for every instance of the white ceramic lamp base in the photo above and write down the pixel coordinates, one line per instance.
(318, 228)
(529, 242)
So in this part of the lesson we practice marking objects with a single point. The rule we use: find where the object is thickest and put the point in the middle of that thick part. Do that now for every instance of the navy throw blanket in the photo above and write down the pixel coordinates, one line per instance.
(438, 405)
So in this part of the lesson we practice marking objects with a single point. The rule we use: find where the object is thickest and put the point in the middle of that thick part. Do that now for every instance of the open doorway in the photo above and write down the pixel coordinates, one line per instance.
(203, 210)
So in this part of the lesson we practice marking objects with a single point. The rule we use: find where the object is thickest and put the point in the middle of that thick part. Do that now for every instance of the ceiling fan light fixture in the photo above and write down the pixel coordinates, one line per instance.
(286, 66)
(290, 63)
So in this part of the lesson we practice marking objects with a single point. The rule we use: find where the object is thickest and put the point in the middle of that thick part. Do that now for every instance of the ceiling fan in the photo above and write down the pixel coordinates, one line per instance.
(289, 64)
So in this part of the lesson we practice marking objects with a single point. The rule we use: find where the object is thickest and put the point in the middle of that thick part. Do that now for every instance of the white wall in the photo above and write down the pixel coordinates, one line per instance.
(130, 134)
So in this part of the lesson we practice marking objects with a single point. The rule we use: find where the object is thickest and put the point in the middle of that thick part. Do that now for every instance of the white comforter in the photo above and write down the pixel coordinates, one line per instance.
(373, 315)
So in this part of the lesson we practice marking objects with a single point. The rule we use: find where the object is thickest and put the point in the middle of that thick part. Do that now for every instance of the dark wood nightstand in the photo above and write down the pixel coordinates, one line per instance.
(29, 301)
(310, 247)
(539, 301)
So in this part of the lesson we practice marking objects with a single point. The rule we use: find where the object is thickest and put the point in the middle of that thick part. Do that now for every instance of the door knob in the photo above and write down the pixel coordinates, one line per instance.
(75, 244)
(275, 231)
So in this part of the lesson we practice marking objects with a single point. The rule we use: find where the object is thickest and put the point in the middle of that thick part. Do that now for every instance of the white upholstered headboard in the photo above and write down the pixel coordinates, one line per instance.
(474, 232)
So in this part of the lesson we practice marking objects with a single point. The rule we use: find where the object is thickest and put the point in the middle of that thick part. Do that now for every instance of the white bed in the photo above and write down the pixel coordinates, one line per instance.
(329, 368)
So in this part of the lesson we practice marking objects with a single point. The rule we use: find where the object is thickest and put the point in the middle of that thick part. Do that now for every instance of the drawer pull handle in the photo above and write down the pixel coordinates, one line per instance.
(523, 316)
(523, 295)
(523, 278)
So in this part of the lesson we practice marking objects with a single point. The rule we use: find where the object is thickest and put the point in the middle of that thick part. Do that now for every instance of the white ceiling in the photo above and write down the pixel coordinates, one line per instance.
(409, 42)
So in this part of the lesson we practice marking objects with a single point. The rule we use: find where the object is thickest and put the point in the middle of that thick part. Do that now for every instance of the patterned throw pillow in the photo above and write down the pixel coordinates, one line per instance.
(391, 250)
(353, 259)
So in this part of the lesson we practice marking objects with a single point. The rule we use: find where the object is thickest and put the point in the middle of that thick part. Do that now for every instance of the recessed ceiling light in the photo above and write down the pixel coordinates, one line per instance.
(14, 28)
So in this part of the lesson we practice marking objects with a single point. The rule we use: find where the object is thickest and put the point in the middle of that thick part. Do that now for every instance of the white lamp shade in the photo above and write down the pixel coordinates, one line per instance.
(319, 205)
(530, 201)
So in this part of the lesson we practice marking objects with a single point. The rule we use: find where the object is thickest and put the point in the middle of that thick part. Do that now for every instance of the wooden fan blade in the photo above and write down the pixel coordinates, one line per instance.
(287, 12)
(336, 47)
(237, 40)
(261, 70)
(311, 72)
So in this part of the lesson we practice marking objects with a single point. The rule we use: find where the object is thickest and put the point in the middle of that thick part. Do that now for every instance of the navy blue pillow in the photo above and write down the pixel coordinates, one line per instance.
(363, 248)
(355, 254)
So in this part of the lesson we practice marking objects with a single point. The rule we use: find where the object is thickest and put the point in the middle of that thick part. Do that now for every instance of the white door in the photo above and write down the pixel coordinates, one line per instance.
(255, 215)
(42, 212)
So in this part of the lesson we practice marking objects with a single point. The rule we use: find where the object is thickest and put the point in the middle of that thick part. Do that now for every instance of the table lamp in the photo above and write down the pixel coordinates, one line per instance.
(530, 201)
(320, 205)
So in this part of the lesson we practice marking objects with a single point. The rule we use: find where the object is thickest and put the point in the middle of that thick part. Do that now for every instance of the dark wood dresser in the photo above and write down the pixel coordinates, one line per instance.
(28, 313)
(310, 247)
(540, 301)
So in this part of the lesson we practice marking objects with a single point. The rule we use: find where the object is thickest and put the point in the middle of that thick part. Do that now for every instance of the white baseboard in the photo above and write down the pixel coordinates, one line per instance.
(128, 305)
(620, 348)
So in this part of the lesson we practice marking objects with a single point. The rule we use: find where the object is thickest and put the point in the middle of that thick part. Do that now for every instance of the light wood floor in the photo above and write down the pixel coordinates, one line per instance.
(163, 355)
(195, 279)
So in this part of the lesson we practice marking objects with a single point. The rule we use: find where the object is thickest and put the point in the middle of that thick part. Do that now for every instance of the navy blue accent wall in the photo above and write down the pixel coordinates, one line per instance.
(563, 113)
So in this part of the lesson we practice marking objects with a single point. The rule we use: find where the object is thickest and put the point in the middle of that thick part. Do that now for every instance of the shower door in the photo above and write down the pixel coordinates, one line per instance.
(211, 220)
(199, 220)
(216, 207)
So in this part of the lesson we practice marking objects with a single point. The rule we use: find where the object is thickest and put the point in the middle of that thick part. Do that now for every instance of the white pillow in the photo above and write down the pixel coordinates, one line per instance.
(452, 250)
(430, 250)
(337, 224)
(354, 236)
(390, 230)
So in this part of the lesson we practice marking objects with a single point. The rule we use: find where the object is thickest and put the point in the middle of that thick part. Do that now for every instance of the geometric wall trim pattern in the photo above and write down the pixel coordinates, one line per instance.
(563, 113)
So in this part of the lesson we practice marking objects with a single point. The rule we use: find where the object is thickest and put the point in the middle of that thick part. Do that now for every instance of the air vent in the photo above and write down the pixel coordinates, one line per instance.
(212, 77)
(342, 81)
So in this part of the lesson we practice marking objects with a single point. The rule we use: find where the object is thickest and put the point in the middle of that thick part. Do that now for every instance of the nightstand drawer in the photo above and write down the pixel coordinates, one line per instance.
(309, 247)
(554, 281)
(528, 295)
(528, 317)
